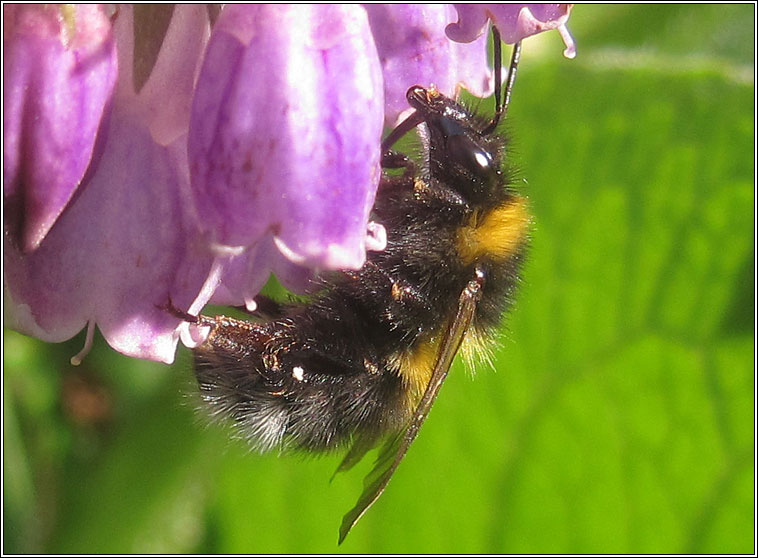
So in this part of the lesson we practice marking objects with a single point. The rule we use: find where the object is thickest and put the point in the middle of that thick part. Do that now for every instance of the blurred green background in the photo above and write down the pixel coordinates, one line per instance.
(620, 416)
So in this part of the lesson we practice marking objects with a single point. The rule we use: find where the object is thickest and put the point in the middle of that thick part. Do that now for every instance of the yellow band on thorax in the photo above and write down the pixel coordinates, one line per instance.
(497, 234)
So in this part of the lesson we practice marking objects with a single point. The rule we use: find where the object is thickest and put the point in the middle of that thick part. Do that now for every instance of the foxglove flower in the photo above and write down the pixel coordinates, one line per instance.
(60, 70)
(231, 154)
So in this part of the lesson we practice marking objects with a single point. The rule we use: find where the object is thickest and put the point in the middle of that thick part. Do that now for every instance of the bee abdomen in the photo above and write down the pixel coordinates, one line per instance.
(283, 392)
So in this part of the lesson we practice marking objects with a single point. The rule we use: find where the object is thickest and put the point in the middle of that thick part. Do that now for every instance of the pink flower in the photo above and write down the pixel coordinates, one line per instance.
(60, 69)
(284, 131)
(413, 48)
(230, 153)
(130, 240)
(515, 22)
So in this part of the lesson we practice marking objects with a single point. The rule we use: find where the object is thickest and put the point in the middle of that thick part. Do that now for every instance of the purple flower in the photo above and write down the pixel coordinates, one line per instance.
(515, 22)
(129, 240)
(60, 69)
(413, 49)
(218, 158)
(286, 123)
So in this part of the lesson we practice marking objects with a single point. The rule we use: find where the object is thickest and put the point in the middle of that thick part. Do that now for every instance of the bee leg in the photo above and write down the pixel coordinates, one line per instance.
(395, 160)
(413, 120)
(409, 296)
(177, 312)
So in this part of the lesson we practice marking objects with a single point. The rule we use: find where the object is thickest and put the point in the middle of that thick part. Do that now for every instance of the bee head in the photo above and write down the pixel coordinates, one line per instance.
(462, 153)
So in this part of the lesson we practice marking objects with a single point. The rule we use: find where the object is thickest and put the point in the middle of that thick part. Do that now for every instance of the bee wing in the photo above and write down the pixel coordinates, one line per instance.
(395, 448)
(357, 451)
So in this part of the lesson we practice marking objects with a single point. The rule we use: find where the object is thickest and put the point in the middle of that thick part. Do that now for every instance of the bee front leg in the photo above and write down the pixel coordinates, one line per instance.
(396, 160)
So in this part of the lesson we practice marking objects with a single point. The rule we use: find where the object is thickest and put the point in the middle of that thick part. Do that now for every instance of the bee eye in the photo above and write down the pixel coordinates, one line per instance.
(462, 150)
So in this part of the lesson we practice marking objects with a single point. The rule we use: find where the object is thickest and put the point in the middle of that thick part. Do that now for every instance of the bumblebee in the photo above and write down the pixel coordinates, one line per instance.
(360, 364)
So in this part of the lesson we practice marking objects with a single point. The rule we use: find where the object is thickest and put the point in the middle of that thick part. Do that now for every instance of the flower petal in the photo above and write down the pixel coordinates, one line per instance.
(121, 252)
(245, 274)
(285, 131)
(414, 50)
(59, 74)
(515, 21)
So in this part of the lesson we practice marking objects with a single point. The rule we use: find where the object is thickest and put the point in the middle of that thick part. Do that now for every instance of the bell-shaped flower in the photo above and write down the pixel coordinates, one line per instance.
(128, 244)
(285, 132)
(414, 49)
(59, 71)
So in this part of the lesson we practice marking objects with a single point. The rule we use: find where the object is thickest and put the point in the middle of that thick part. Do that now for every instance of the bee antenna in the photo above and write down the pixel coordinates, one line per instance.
(502, 101)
